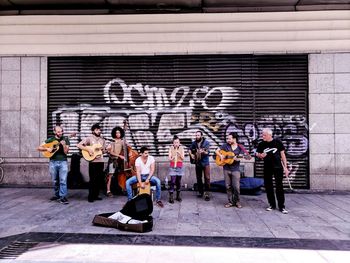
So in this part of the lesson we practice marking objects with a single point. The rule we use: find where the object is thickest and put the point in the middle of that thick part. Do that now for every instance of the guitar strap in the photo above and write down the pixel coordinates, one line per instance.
(198, 155)
(60, 146)
(198, 145)
(243, 149)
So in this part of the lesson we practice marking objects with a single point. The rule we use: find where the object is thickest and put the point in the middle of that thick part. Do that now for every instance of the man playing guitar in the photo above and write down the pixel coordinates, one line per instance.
(58, 166)
(96, 166)
(199, 151)
(232, 173)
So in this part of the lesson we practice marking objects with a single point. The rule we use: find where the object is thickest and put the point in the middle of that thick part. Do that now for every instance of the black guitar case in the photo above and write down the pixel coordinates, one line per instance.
(139, 208)
(75, 178)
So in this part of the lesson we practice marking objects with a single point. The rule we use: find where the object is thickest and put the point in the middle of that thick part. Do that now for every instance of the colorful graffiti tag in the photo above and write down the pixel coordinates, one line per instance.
(155, 115)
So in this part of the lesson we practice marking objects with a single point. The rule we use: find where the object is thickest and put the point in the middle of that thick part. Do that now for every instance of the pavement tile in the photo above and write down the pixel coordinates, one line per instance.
(335, 256)
(341, 244)
(155, 240)
(330, 232)
(40, 237)
(115, 239)
(308, 235)
(283, 232)
(202, 241)
(78, 238)
(302, 256)
(314, 219)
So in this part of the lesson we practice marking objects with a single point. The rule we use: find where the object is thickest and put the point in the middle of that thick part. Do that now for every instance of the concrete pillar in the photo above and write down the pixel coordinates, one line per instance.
(329, 121)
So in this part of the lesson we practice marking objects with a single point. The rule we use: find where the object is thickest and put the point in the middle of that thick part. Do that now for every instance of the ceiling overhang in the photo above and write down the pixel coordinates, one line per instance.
(99, 7)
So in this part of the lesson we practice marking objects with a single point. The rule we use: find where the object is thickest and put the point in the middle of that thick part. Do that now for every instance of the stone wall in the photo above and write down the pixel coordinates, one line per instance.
(23, 122)
(23, 117)
(329, 121)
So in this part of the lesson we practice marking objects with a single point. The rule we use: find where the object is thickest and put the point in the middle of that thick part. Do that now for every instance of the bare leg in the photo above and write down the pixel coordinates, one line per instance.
(109, 180)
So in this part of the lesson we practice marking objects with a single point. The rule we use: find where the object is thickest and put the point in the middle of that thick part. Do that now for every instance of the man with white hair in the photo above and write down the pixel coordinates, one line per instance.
(272, 151)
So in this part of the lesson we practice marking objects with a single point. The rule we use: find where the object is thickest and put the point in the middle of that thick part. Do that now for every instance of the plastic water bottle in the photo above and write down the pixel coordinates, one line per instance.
(166, 182)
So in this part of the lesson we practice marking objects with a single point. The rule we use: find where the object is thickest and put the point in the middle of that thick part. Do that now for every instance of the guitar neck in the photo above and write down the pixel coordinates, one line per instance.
(125, 147)
(242, 157)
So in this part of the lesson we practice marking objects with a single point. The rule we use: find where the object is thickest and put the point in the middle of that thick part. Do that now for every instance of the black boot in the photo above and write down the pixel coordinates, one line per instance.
(178, 196)
(171, 198)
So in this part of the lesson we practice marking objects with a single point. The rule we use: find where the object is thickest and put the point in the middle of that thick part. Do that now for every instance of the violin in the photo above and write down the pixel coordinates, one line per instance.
(127, 166)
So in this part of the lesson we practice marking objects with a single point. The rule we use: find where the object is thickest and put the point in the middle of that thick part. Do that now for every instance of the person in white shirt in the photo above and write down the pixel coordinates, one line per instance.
(145, 167)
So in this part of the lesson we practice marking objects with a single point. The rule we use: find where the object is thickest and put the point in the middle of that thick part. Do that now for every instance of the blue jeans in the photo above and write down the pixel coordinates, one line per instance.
(58, 172)
(154, 181)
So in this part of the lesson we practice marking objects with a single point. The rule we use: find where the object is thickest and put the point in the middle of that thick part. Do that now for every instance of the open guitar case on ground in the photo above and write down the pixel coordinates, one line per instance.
(138, 208)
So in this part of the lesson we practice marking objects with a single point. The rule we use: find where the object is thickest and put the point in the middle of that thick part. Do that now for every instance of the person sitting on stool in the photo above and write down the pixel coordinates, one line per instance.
(145, 166)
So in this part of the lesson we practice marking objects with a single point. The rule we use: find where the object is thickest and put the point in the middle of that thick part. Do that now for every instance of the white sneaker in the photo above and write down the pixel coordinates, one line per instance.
(284, 211)
(270, 208)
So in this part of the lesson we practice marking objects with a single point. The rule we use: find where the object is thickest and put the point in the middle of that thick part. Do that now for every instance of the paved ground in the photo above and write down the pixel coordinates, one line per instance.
(317, 229)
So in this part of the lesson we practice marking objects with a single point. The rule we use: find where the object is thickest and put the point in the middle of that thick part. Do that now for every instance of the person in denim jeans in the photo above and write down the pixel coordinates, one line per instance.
(232, 173)
(145, 166)
(58, 166)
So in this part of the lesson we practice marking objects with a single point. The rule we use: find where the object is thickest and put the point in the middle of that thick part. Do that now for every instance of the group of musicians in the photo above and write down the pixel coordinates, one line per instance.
(131, 167)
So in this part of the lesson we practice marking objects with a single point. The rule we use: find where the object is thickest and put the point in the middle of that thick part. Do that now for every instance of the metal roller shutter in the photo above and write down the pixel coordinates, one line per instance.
(162, 96)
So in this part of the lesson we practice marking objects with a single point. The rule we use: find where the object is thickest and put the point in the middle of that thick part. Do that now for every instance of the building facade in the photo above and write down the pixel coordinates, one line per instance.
(174, 74)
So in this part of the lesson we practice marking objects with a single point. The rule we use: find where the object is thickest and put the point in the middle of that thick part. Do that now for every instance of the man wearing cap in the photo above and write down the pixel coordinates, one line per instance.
(96, 166)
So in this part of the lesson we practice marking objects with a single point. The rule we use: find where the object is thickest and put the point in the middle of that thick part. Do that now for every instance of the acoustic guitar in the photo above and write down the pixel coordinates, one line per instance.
(195, 156)
(229, 158)
(55, 145)
(96, 149)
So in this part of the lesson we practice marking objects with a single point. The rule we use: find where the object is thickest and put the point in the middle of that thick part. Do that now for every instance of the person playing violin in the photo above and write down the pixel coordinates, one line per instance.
(96, 166)
(58, 166)
(115, 153)
(176, 171)
(232, 173)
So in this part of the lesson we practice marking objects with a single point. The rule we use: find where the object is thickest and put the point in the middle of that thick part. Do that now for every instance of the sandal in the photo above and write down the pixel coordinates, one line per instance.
(109, 194)
(160, 204)
(228, 205)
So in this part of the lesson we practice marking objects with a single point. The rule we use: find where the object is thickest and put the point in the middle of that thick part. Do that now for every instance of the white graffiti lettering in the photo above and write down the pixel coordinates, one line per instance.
(118, 92)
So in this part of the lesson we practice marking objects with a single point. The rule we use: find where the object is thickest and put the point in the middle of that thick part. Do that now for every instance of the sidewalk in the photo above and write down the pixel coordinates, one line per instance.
(316, 221)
